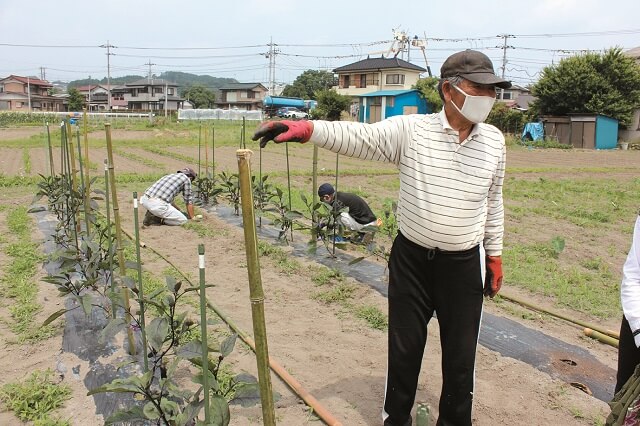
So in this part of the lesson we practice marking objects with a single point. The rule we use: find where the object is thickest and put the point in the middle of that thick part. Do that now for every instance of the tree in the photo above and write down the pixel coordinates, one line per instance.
(307, 84)
(607, 84)
(508, 120)
(76, 100)
(199, 96)
(330, 105)
(428, 88)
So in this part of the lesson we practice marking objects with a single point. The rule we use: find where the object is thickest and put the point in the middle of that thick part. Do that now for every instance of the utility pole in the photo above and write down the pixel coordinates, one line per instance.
(504, 48)
(29, 91)
(271, 55)
(43, 74)
(149, 74)
(108, 47)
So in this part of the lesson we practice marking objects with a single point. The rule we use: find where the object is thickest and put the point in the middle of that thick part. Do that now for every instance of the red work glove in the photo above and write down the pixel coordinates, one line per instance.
(283, 131)
(493, 277)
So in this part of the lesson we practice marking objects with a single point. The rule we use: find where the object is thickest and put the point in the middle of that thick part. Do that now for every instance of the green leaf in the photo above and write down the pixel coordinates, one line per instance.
(356, 260)
(189, 413)
(86, 300)
(171, 283)
(113, 327)
(150, 411)
(219, 407)
(228, 344)
(53, 316)
(170, 408)
(191, 350)
(125, 416)
(157, 332)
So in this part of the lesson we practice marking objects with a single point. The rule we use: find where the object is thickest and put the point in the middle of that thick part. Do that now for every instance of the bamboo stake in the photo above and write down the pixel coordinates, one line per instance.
(83, 182)
(119, 247)
(601, 337)
(74, 182)
(87, 177)
(199, 144)
(51, 167)
(109, 245)
(286, 150)
(71, 215)
(206, 150)
(213, 150)
(335, 206)
(244, 132)
(203, 332)
(255, 287)
(314, 184)
(140, 286)
(561, 316)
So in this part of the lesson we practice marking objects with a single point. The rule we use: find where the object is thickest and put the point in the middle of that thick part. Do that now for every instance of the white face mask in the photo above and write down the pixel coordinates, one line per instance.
(476, 109)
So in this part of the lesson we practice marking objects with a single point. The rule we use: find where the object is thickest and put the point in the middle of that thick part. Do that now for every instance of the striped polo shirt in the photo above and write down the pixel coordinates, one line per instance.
(450, 193)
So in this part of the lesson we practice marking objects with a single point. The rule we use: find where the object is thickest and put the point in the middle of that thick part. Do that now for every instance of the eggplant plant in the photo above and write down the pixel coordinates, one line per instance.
(325, 223)
(231, 189)
(278, 206)
(165, 401)
(263, 192)
(207, 189)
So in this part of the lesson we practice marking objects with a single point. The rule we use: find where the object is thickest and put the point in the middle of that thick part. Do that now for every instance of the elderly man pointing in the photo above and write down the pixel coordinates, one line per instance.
(450, 220)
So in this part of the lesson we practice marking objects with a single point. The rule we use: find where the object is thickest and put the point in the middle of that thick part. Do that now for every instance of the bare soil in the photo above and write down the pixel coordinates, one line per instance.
(335, 356)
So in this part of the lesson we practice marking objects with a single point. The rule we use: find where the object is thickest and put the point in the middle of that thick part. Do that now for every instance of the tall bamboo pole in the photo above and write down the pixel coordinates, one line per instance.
(206, 151)
(68, 147)
(213, 150)
(335, 206)
(286, 150)
(87, 177)
(199, 144)
(83, 182)
(51, 167)
(74, 183)
(203, 332)
(109, 244)
(119, 246)
(143, 324)
(244, 132)
(314, 192)
(255, 287)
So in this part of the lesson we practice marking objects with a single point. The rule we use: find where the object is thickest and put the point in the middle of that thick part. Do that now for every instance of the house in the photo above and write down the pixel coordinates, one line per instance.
(376, 106)
(27, 94)
(512, 93)
(245, 96)
(632, 133)
(149, 94)
(375, 74)
(96, 96)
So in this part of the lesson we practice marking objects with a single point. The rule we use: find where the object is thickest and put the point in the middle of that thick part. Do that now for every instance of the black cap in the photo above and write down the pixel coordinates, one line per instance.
(325, 189)
(474, 66)
(189, 172)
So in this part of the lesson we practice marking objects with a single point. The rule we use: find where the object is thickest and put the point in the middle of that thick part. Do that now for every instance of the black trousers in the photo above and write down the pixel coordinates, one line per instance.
(422, 281)
(628, 355)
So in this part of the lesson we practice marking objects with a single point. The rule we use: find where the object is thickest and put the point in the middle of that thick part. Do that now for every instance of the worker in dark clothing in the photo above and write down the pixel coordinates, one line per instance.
(358, 218)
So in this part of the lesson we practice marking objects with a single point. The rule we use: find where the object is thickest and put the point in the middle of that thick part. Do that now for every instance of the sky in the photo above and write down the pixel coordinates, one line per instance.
(61, 39)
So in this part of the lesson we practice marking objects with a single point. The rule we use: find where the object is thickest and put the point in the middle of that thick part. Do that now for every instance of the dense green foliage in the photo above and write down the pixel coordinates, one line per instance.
(508, 120)
(76, 100)
(607, 84)
(428, 88)
(331, 104)
(308, 84)
(200, 96)
(36, 397)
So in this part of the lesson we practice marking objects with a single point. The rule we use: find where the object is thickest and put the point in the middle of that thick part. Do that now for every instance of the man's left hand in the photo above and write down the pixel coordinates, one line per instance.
(493, 278)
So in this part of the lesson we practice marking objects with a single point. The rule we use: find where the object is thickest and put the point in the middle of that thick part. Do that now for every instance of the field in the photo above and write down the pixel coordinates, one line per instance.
(324, 327)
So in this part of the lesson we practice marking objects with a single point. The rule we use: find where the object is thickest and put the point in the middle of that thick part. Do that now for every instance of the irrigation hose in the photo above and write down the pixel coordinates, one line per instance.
(293, 384)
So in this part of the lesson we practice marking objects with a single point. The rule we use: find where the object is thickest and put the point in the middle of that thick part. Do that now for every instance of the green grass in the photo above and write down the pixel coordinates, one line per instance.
(372, 316)
(26, 160)
(138, 158)
(282, 259)
(201, 229)
(35, 398)
(338, 293)
(590, 289)
(17, 281)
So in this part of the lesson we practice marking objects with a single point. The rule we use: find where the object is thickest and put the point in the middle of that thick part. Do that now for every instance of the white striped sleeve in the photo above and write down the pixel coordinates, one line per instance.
(494, 226)
(382, 141)
(630, 287)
